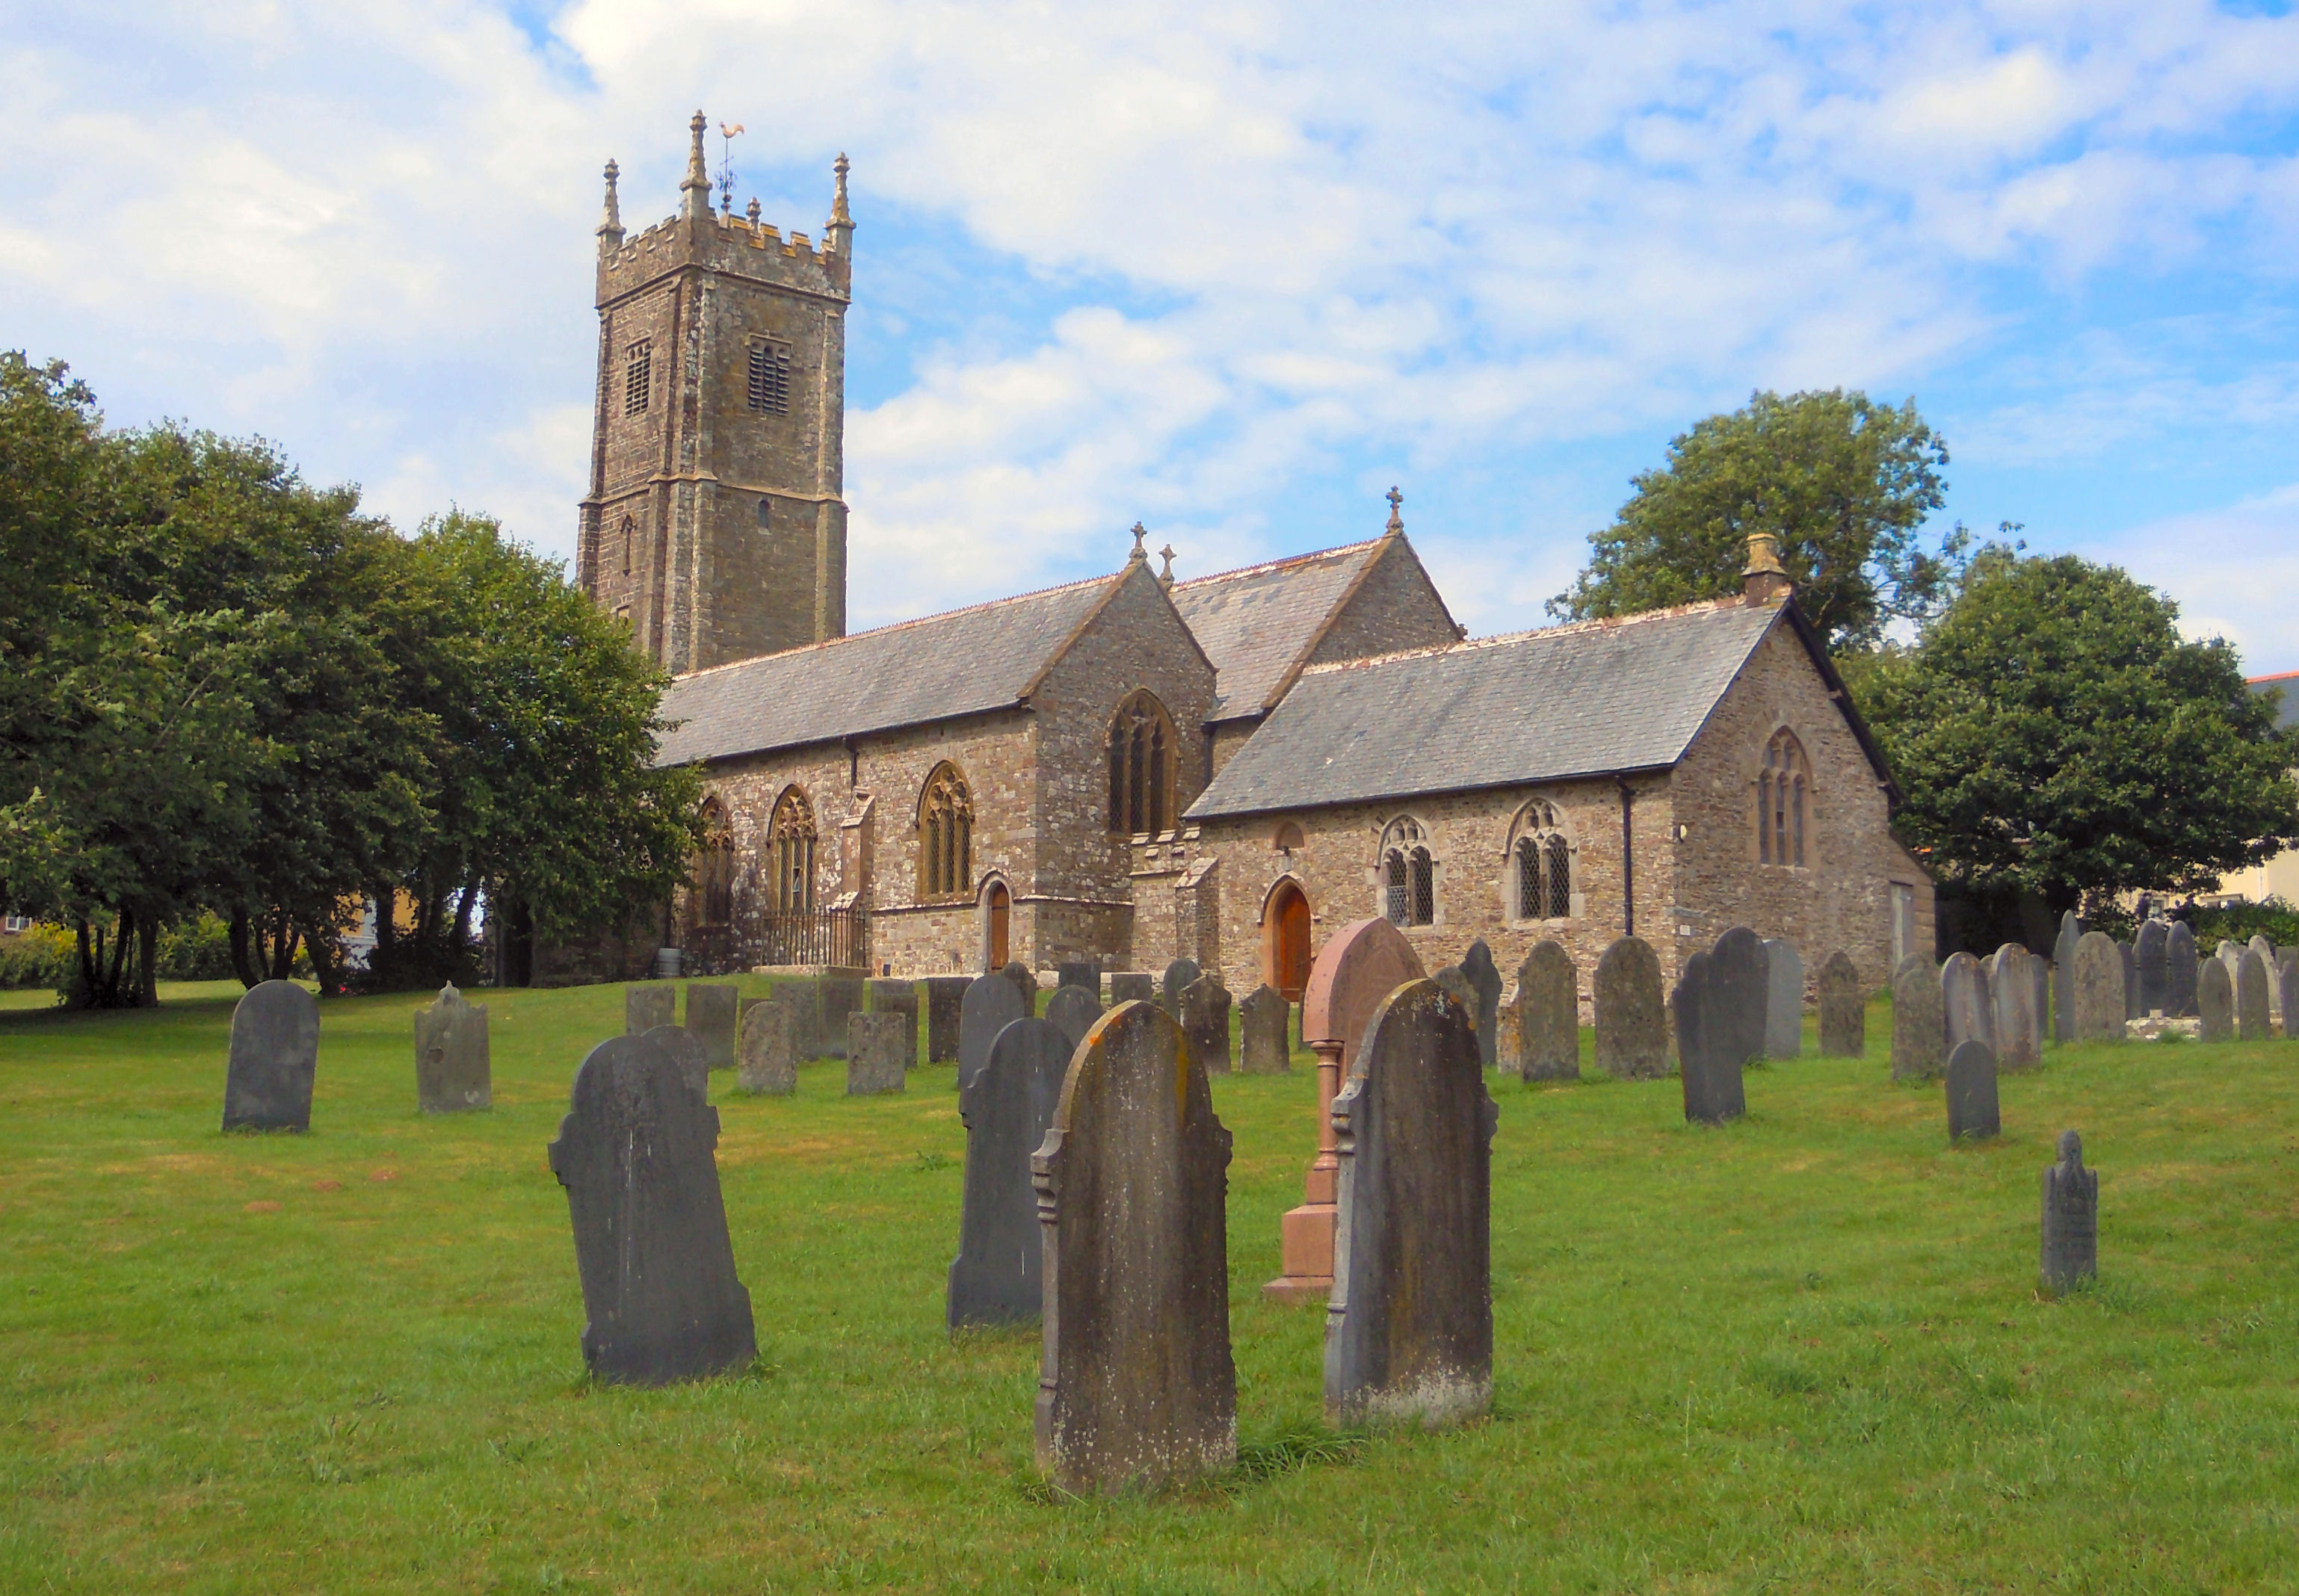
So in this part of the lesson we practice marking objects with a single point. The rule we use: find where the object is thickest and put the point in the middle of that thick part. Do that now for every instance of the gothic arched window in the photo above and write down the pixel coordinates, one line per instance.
(1542, 863)
(714, 884)
(945, 834)
(793, 836)
(1408, 875)
(1783, 800)
(1141, 750)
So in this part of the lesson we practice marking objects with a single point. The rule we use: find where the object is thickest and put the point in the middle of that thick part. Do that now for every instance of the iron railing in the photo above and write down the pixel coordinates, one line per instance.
(839, 937)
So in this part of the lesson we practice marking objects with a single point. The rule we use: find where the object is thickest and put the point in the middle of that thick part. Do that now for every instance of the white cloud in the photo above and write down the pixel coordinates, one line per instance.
(2232, 570)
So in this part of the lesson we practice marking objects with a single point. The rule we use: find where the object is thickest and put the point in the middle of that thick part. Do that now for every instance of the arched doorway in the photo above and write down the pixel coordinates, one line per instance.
(997, 912)
(1286, 940)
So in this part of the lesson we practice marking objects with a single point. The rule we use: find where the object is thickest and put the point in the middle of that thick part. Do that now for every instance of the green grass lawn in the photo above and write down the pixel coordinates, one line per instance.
(1802, 1351)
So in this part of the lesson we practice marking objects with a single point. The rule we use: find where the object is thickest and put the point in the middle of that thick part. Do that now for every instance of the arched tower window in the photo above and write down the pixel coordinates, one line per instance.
(714, 885)
(1408, 875)
(793, 845)
(945, 834)
(1141, 750)
(1783, 800)
(1542, 861)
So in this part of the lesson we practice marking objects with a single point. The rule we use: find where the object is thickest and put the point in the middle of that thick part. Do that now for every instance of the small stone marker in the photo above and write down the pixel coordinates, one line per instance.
(945, 998)
(1007, 1107)
(2099, 989)
(1843, 1008)
(2286, 987)
(647, 1005)
(899, 997)
(2148, 957)
(2268, 959)
(1205, 1020)
(2063, 977)
(710, 1019)
(1024, 982)
(2015, 1025)
(1740, 974)
(1179, 974)
(1783, 999)
(1632, 1027)
(878, 1054)
(2253, 1020)
(451, 1073)
(766, 1058)
(2131, 1010)
(636, 1154)
(835, 998)
(1966, 1006)
(1409, 1326)
(992, 1003)
(2215, 1002)
(2070, 1250)
(1136, 1387)
(1972, 1114)
(1079, 972)
(1072, 1011)
(1132, 986)
(275, 1056)
(2179, 968)
(1919, 1027)
(1548, 1015)
(1485, 983)
(1711, 1041)
(1263, 1019)
(679, 1045)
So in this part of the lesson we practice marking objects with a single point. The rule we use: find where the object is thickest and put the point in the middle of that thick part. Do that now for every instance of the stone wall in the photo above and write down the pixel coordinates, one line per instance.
(1395, 608)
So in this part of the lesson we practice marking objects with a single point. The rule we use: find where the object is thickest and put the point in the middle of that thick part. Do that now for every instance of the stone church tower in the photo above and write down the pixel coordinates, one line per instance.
(715, 523)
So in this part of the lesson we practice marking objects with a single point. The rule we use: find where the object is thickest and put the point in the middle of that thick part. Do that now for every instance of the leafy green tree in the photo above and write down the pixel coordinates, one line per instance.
(1844, 483)
(2055, 735)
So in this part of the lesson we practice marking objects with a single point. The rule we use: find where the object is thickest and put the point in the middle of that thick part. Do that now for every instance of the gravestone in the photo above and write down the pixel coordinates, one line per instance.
(836, 997)
(1179, 974)
(2147, 957)
(2131, 979)
(2215, 1002)
(1632, 1027)
(2180, 965)
(992, 1003)
(636, 1154)
(945, 998)
(899, 997)
(1548, 1015)
(1262, 1020)
(2040, 986)
(1484, 978)
(2269, 960)
(1072, 1011)
(451, 1073)
(1783, 999)
(1079, 972)
(1132, 986)
(2016, 1026)
(2229, 952)
(1710, 1044)
(1456, 983)
(2254, 1022)
(1919, 1027)
(1967, 1007)
(1136, 1387)
(2063, 977)
(1025, 983)
(1007, 1107)
(2099, 989)
(1205, 1020)
(1738, 974)
(647, 1005)
(1843, 1008)
(275, 1056)
(679, 1045)
(767, 1057)
(1409, 1326)
(1973, 1112)
(2070, 1249)
(711, 1021)
(878, 1053)
(2286, 987)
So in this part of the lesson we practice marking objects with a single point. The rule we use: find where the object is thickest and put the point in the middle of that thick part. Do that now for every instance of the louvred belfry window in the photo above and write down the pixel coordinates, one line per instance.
(769, 377)
(638, 378)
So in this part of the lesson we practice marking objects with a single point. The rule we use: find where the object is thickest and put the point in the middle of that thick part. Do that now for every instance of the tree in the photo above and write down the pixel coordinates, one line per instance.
(2055, 735)
(1844, 483)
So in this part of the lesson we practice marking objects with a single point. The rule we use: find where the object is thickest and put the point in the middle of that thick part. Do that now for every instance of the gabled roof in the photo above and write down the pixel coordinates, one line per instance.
(1257, 624)
(962, 662)
(1594, 697)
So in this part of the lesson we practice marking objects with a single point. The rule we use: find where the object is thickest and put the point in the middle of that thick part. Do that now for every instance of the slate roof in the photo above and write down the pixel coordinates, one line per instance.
(1256, 623)
(1588, 698)
(962, 662)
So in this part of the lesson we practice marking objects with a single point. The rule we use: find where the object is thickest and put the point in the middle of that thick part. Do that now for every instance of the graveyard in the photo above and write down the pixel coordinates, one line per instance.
(1803, 1347)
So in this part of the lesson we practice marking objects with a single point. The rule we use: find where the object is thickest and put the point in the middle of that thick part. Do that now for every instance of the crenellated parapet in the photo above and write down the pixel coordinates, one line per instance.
(727, 243)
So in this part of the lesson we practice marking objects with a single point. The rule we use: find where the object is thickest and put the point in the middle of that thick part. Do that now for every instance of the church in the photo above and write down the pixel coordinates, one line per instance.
(1142, 767)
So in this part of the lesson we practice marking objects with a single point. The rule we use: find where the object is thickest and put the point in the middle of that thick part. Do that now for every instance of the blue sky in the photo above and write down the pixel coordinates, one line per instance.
(1230, 269)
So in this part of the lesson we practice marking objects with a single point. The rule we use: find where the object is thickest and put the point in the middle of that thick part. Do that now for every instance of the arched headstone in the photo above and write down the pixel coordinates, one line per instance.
(1205, 1019)
(1967, 1007)
(1919, 1027)
(2016, 1027)
(2253, 1020)
(1741, 975)
(1631, 1023)
(2179, 968)
(452, 1068)
(1025, 985)
(1712, 1047)
(1783, 999)
(2099, 989)
(1007, 1107)
(275, 1058)
(2071, 1241)
(1843, 1008)
(1264, 1019)
(2215, 1002)
(1073, 1010)
(1484, 977)
(679, 1045)
(992, 1004)
(1179, 974)
(1548, 1015)
(2148, 959)
(1972, 1111)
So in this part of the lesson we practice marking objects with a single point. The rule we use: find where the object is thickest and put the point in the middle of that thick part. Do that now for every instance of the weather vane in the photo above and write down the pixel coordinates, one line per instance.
(727, 137)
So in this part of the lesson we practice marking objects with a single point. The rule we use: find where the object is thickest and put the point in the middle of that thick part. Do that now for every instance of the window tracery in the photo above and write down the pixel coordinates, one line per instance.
(1408, 875)
(793, 834)
(945, 834)
(1141, 748)
(1783, 801)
